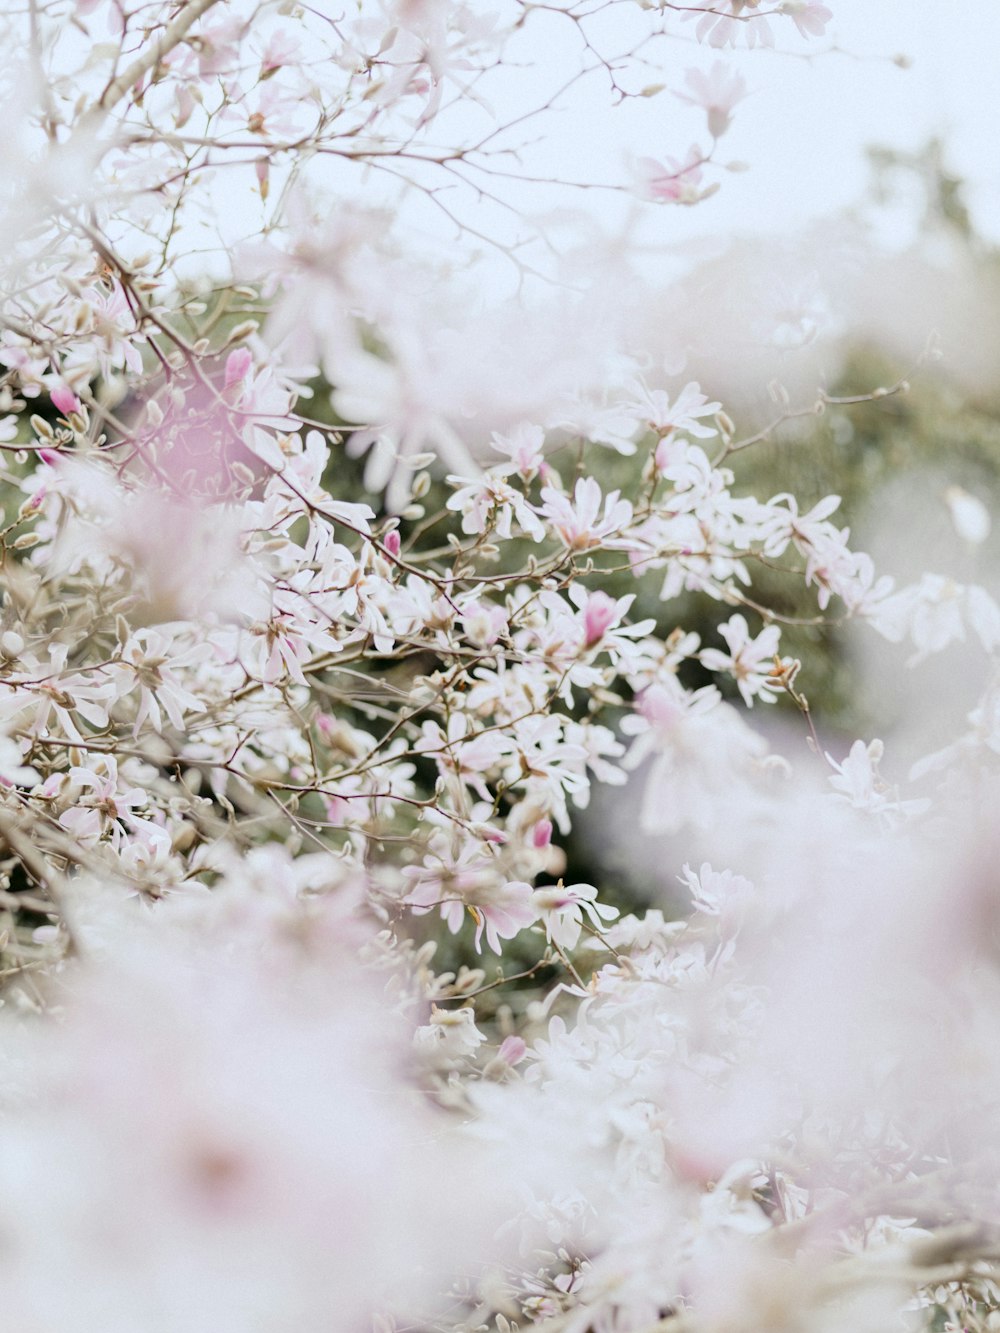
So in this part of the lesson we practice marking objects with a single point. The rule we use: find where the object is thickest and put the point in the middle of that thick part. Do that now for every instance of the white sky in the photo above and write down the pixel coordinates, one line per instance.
(806, 130)
(803, 131)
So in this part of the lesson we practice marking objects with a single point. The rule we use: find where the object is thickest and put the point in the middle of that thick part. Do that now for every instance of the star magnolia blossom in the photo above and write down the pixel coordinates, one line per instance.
(673, 181)
(563, 907)
(718, 92)
(580, 522)
(750, 661)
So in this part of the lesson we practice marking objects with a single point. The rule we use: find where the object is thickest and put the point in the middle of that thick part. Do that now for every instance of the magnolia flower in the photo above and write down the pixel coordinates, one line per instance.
(782, 523)
(599, 614)
(717, 92)
(809, 16)
(401, 419)
(935, 613)
(156, 662)
(493, 503)
(116, 336)
(464, 751)
(672, 181)
(502, 913)
(580, 522)
(751, 661)
(547, 760)
(64, 398)
(464, 883)
(699, 750)
(858, 782)
(562, 909)
(716, 892)
(104, 804)
(450, 1037)
(281, 48)
(484, 622)
(654, 408)
(599, 617)
(524, 447)
(728, 23)
(63, 695)
(857, 777)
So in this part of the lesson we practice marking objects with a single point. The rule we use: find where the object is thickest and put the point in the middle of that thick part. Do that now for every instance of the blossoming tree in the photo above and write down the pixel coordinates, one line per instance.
(272, 743)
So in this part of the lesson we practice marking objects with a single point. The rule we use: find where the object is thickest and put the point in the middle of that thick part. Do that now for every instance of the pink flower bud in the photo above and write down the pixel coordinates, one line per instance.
(601, 611)
(542, 834)
(513, 1050)
(238, 364)
(391, 542)
(65, 399)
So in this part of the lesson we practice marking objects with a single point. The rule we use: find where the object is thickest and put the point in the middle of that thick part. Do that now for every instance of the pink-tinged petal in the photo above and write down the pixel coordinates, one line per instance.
(238, 365)
(601, 613)
(65, 399)
(542, 833)
(513, 1050)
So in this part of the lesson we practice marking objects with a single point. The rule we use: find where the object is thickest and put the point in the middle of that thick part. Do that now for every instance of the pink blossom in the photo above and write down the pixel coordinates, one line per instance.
(655, 408)
(64, 398)
(672, 181)
(523, 446)
(513, 1050)
(562, 908)
(542, 834)
(491, 502)
(600, 613)
(468, 886)
(503, 914)
(238, 364)
(281, 48)
(484, 622)
(717, 93)
(580, 522)
(103, 804)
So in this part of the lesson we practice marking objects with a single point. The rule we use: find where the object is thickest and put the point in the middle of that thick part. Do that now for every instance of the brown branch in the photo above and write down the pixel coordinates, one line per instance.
(169, 38)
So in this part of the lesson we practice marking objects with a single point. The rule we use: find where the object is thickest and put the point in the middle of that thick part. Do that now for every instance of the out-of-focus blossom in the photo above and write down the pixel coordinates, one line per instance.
(969, 515)
(717, 92)
(672, 181)
(809, 16)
